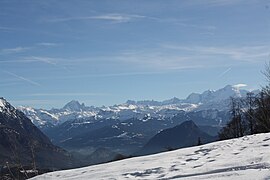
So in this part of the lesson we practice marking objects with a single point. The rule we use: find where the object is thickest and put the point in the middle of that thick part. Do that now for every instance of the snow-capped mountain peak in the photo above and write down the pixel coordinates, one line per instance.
(193, 98)
(6, 108)
(217, 95)
(2, 102)
(74, 106)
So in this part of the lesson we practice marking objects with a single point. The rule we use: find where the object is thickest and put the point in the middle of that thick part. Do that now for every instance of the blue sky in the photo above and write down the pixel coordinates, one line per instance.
(106, 52)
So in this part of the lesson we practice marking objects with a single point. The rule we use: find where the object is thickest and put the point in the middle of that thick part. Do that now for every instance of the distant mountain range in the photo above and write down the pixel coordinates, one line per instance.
(209, 99)
(127, 127)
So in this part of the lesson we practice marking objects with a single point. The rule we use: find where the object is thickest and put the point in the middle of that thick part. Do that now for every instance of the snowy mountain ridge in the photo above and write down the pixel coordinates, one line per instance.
(210, 99)
(6, 108)
(241, 159)
(196, 98)
(2, 103)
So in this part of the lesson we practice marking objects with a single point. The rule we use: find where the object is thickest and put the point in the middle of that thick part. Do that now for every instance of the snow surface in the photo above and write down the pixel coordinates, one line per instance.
(243, 158)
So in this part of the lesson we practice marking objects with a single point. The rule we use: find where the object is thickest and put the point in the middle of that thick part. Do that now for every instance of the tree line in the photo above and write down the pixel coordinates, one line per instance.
(249, 115)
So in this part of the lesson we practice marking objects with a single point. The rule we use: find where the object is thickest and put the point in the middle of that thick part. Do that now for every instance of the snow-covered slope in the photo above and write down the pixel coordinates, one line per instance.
(210, 99)
(243, 158)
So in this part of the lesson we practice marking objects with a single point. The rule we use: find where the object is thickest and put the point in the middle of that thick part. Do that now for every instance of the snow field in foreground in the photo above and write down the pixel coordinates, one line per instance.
(243, 158)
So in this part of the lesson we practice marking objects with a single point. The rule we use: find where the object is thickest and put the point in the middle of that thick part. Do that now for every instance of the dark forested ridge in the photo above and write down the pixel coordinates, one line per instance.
(184, 135)
(24, 147)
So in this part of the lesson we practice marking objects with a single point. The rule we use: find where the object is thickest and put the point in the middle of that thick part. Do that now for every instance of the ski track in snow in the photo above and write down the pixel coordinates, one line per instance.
(243, 158)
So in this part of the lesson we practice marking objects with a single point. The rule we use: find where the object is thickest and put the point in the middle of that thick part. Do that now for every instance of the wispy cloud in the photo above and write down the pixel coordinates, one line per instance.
(21, 49)
(238, 86)
(42, 59)
(47, 60)
(188, 24)
(244, 53)
(118, 18)
(203, 27)
(2, 28)
(177, 57)
(160, 59)
(217, 2)
(23, 78)
(115, 18)
(29, 60)
(49, 44)
(14, 50)
(105, 75)
(124, 18)
(68, 94)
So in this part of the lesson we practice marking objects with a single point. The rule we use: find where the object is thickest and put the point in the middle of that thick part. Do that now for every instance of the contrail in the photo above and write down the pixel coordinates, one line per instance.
(23, 78)
(225, 72)
(47, 60)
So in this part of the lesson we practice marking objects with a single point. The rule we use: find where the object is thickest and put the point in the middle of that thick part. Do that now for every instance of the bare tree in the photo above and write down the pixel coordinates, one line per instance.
(250, 104)
(250, 115)
(263, 103)
(262, 113)
(235, 128)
